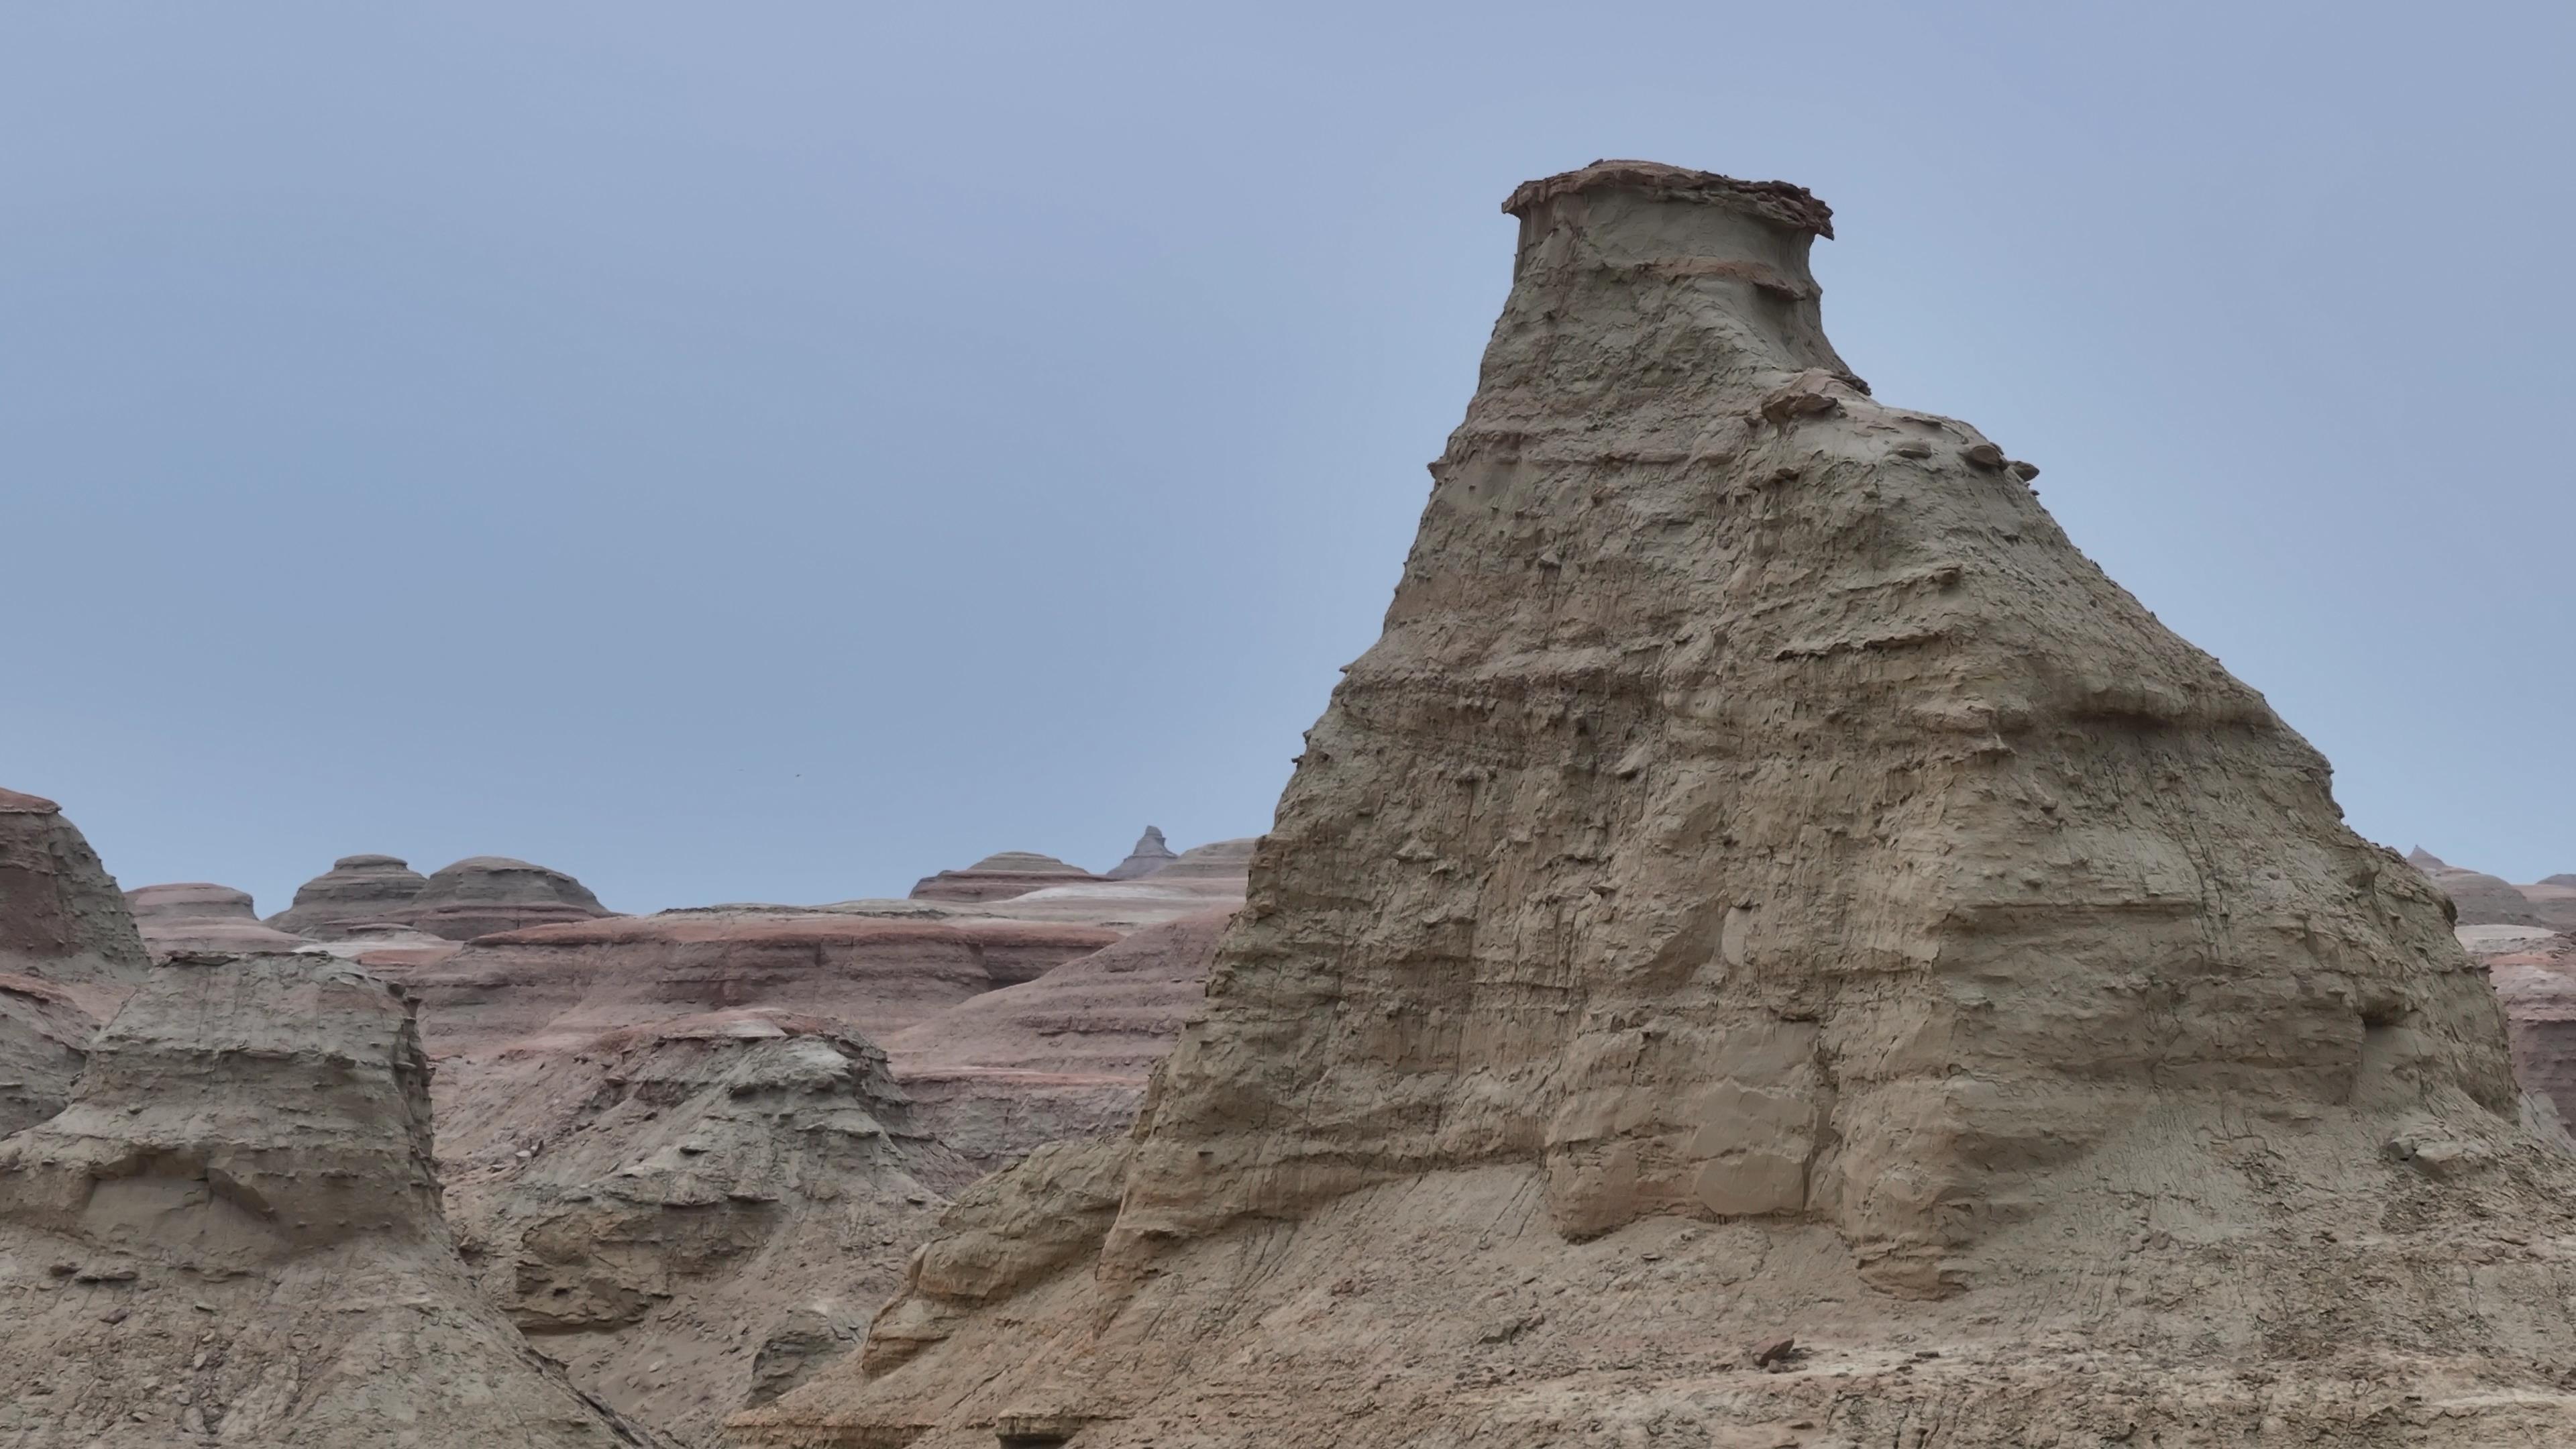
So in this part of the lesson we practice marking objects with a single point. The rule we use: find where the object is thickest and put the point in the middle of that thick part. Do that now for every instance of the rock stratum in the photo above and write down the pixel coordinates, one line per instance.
(200, 916)
(999, 878)
(485, 895)
(232, 1235)
(356, 890)
(2490, 900)
(1771, 947)
(62, 918)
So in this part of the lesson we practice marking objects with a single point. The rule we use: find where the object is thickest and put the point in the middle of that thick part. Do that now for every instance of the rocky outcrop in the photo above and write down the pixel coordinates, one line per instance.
(484, 895)
(1218, 860)
(999, 878)
(1151, 854)
(200, 916)
(357, 889)
(43, 1033)
(2487, 900)
(232, 1234)
(2535, 978)
(1770, 947)
(62, 918)
(1065, 1055)
(695, 1214)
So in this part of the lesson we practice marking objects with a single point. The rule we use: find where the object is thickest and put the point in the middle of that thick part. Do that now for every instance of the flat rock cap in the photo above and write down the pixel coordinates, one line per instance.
(1774, 201)
(13, 803)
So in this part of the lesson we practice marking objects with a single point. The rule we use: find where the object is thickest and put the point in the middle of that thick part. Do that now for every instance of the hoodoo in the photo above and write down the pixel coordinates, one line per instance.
(1151, 854)
(1770, 947)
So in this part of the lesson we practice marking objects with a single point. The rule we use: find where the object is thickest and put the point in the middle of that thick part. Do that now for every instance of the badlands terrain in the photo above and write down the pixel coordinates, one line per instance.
(1770, 948)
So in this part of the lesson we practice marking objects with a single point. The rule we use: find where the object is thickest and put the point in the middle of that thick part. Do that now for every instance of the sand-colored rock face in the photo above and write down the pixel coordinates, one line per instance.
(1151, 854)
(1765, 881)
(355, 890)
(44, 1030)
(1065, 1055)
(61, 916)
(999, 878)
(200, 916)
(232, 1236)
(487, 894)
(659, 1204)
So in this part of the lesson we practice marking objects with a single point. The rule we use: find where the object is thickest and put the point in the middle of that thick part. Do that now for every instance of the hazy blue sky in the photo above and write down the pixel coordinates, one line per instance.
(771, 451)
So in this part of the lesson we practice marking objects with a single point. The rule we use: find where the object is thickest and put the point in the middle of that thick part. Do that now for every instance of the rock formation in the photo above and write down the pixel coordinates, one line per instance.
(1218, 860)
(355, 890)
(692, 1214)
(999, 878)
(487, 894)
(1151, 854)
(232, 1235)
(1770, 947)
(199, 916)
(2488, 900)
(61, 916)
(1065, 1055)
(2534, 972)
(43, 1031)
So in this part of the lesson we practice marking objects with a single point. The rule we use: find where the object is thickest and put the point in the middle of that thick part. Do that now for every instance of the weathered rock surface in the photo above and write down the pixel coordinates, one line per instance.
(232, 1235)
(1217, 860)
(2534, 972)
(999, 878)
(1766, 884)
(1065, 1055)
(484, 895)
(356, 889)
(62, 918)
(695, 1214)
(199, 916)
(44, 1031)
(1151, 854)
(2488, 900)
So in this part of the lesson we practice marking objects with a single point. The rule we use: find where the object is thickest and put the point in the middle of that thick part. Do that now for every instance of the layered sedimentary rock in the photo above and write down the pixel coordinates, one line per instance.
(357, 889)
(484, 895)
(62, 918)
(565, 982)
(1151, 854)
(43, 1032)
(692, 1215)
(232, 1235)
(1217, 860)
(1770, 947)
(2534, 972)
(2478, 898)
(999, 878)
(1065, 1055)
(202, 916)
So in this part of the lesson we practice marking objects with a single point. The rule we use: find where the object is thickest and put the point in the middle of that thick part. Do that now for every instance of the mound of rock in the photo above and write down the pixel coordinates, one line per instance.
(1218, 860)
(1065, 1055)
(232, 1234)
(2534, 972)
(200, 916)
(999, 878)
(694, 1214)
(62, 918)
(1771, 947)
(357, 889)
(1151, 854)
(484, 895)
(2478, 898)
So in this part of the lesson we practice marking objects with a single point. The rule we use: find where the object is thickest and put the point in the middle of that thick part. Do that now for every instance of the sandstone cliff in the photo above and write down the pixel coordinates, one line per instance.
(1771, 947)
(232, 1235)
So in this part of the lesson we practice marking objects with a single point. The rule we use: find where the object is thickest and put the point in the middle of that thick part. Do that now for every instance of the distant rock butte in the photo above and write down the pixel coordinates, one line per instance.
(1151, 854)
(1217, 860)
(232, 1234)
(1766, 887)
(202, 916)
(356, 889)
(486, 894)
(999, 878)
(61, 915)
(2486, 900)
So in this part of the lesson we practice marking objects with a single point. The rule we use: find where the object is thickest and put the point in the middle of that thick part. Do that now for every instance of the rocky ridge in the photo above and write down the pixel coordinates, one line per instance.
(1770, 947)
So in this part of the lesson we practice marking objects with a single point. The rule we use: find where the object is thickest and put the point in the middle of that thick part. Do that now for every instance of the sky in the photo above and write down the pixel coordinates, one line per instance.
(774, 451)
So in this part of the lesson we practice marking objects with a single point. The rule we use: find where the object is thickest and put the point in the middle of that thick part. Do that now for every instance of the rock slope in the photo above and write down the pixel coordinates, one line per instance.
(232, 1235)
(1771, 947)
(484, 895)
(356, 890)
(198, 916)
(62, 918)
(2488, 900)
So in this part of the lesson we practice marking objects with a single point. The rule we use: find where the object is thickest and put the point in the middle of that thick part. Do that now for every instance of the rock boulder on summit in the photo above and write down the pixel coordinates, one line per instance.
(232, 1235)
(1766, 887)
(356, 890)
(999, 878)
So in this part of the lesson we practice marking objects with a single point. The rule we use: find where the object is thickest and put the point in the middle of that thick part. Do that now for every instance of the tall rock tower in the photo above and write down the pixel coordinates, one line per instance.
(1766, 885)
